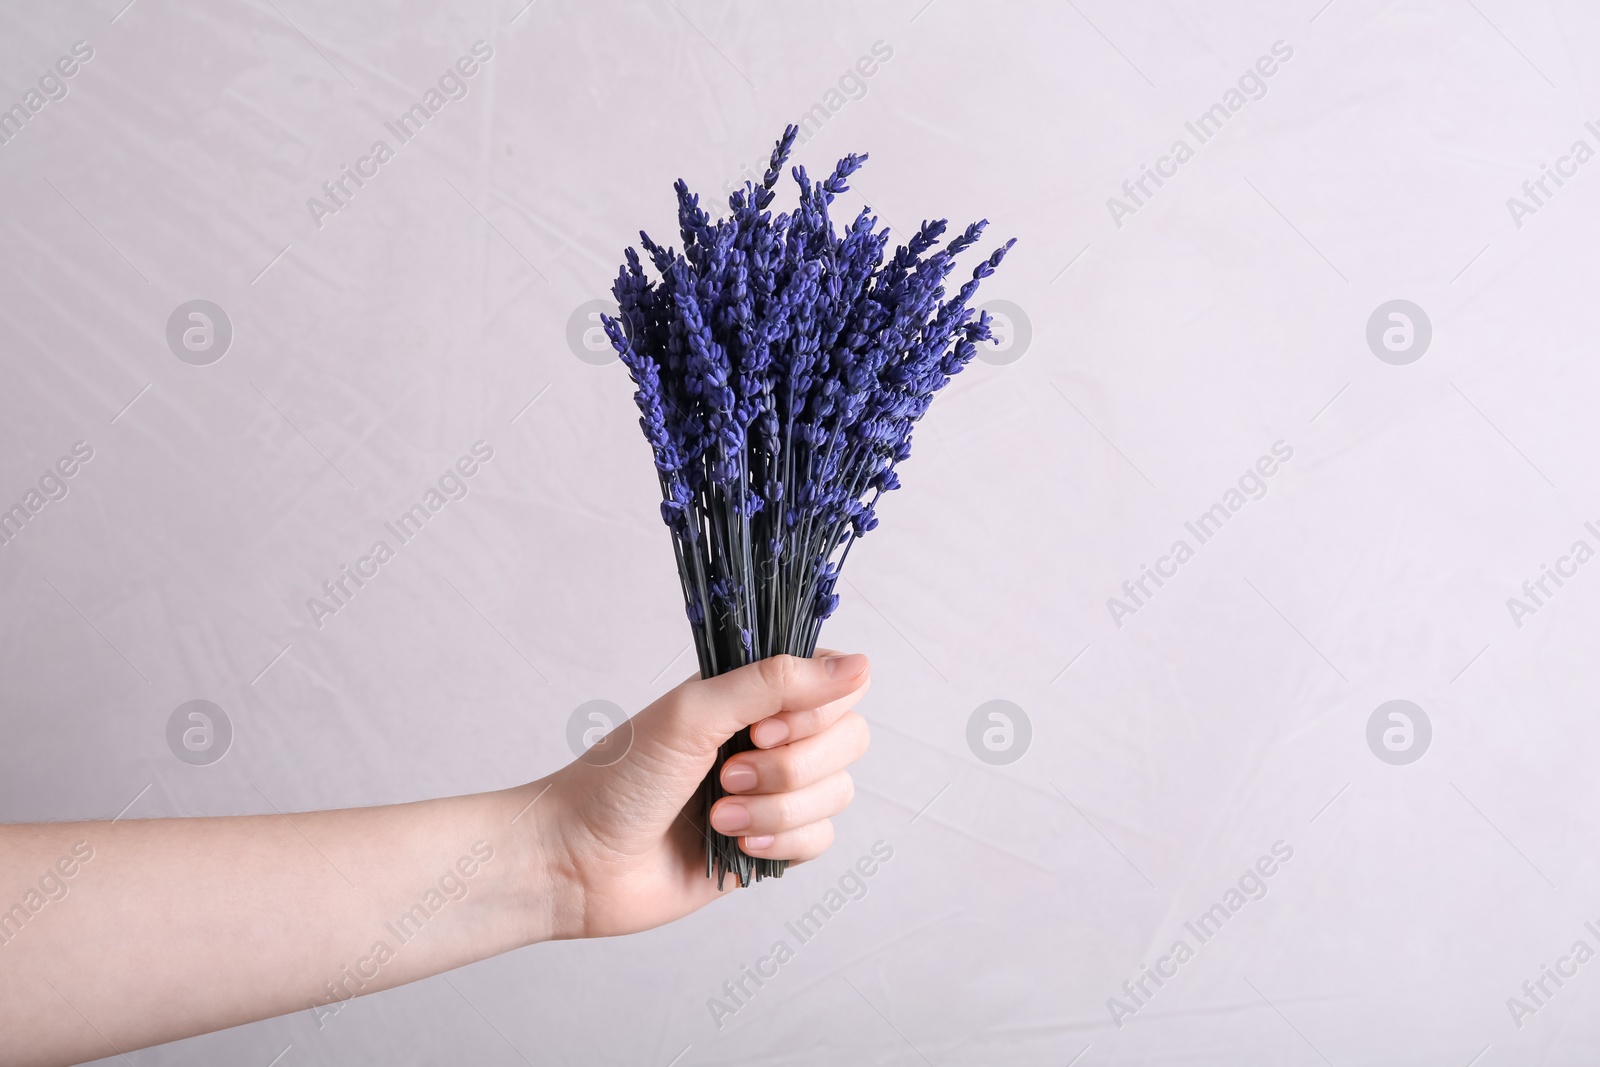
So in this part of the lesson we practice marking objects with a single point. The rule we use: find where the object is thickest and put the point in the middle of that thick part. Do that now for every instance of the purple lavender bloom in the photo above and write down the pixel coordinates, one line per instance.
(779, 368)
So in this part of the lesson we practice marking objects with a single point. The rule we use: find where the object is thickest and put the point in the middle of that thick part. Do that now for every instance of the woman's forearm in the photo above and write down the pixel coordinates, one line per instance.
(229, 920)
(119, 935)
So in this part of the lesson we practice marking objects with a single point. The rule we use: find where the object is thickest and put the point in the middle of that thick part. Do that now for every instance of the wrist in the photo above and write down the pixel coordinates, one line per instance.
(547, 890)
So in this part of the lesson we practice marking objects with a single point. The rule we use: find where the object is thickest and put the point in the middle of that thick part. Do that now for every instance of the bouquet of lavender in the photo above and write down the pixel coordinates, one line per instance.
(780, 368)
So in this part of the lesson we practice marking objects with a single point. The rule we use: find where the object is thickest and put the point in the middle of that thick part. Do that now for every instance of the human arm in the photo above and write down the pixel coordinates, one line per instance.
(171, 927)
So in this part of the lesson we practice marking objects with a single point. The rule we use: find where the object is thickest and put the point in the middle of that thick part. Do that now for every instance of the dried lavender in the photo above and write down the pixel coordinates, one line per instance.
(780, 367)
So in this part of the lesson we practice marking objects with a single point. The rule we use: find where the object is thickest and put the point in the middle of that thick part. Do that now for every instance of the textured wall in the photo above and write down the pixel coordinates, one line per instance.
(1217, 342)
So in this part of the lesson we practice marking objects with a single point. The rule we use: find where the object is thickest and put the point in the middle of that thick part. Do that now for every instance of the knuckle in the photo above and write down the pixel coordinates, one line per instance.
(802, 723)
(846, 788)
(861, 733)
(779, 672)
(794, 769)
(788, 811)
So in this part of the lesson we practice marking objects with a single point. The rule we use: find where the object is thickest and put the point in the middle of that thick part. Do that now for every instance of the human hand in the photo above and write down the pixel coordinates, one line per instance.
(622, 843)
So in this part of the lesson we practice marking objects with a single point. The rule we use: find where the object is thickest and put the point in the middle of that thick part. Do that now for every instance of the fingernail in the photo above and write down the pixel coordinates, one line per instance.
(730, 818)
(769, 732)
(736, 778)
(758, 841)
(845, 666)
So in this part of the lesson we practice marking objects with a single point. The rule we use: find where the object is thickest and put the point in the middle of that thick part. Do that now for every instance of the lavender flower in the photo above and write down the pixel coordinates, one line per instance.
(779, 370)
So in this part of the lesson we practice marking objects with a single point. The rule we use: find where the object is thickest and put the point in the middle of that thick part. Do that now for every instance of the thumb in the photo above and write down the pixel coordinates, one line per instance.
(711, 710)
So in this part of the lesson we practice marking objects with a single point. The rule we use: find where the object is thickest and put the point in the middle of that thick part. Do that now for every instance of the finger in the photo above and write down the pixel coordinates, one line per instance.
(793, 725)
(714, 709)
(788, 726)
(797, 845)
(772, 813)
(795, 765)
(821, 653)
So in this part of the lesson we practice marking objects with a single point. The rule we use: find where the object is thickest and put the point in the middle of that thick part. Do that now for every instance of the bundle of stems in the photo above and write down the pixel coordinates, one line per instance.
(779, 367)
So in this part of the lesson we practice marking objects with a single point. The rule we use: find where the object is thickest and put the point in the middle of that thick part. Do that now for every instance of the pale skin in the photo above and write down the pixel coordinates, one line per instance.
(166, 928)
